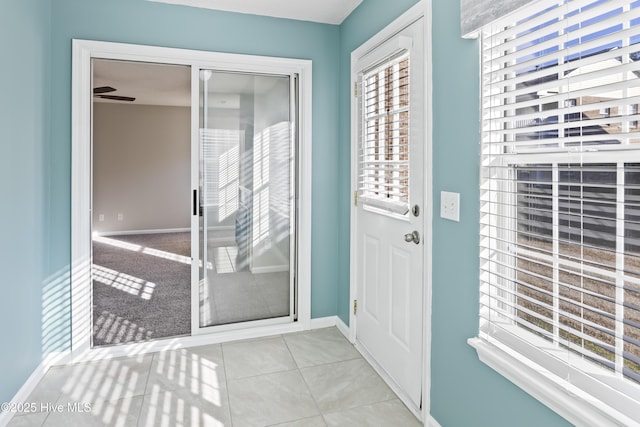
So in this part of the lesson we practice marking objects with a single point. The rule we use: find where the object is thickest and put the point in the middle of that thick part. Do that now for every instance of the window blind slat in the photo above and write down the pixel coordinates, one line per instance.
(497, 69)
(507, 79)
(511, 107)
(556, 31)
(546, 10)
(540, 116)
(497, 53)
(597, 73)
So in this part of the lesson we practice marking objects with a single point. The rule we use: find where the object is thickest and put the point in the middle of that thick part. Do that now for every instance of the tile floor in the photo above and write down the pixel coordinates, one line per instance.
(307, 379)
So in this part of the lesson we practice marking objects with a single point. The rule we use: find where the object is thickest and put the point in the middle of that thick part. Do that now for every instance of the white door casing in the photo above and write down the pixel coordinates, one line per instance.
(389, 271)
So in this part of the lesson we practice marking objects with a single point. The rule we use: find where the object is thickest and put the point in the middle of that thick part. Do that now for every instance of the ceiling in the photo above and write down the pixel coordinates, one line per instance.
(150, 84)
(324, 11)
(170, 85)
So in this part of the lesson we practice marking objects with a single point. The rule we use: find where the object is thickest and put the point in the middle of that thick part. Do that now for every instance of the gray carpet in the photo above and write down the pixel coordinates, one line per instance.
(141, 291)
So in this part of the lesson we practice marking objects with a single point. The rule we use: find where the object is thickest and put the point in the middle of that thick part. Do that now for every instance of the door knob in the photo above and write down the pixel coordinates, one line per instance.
(412, 237)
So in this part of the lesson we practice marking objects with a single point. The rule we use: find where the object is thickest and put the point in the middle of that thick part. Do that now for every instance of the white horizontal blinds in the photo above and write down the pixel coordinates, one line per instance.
(572, 74)
(560, 183)
(384, 150)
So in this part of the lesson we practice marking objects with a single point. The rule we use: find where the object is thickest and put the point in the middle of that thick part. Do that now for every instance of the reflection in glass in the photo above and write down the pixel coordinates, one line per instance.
(245, 197)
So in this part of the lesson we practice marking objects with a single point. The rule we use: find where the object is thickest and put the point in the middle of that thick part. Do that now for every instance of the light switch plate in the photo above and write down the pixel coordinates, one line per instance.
(450, 205)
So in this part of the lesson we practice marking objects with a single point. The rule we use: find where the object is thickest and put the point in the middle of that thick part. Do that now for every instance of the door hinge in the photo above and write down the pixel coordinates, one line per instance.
(355, 198)
(355, 307)
(355, 89)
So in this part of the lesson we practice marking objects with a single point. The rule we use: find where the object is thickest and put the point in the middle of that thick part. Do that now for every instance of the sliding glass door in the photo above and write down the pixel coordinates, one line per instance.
(246, 198)
(240, 126)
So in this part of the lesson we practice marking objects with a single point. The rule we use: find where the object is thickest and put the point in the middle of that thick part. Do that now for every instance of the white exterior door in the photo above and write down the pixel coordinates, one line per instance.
(389, 217)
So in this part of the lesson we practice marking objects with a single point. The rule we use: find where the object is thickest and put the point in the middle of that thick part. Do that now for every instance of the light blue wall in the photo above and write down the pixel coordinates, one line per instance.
(464, 392)
(24, 123)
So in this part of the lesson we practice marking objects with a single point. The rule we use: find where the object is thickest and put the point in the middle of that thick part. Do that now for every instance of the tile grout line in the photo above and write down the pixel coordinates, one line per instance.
(44, 422)
(146, 385)
(330, 363)
(304, 381)
(299, 419)
(394, 398)
(56, 401)
(263, 374)
(273, 337)
(226, 384)
(290, 352)
(358, 357)
(315, 402)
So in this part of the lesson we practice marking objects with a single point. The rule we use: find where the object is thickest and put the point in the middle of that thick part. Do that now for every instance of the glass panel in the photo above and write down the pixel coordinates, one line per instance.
(141, 253)
(384, 158)
(245, 198)
(534, 276)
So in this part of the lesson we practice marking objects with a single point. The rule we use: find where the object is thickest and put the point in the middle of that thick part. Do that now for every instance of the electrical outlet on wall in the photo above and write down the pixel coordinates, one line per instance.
(101, 217)
(120, 216)
(450, 205)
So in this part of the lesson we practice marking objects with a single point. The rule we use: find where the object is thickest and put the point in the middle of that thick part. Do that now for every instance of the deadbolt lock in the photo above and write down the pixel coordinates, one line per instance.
(415, 210)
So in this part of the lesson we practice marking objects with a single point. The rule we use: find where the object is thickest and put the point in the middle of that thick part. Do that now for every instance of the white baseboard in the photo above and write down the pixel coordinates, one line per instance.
(342, 327)
(323, 322)
(327, 322)
(129, 232)
(432, 422)
(32, 382)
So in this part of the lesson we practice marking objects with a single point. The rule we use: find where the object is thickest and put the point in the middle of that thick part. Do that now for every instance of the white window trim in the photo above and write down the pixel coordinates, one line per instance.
(567, 400)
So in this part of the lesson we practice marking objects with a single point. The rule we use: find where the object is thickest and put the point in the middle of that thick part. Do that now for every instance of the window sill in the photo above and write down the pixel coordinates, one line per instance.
(571, 403)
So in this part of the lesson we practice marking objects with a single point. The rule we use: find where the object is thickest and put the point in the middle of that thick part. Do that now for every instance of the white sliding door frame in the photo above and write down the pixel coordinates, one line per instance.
(81, 177)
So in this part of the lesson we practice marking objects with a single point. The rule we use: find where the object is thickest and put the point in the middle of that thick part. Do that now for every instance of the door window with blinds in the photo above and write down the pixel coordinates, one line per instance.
(384, 150)
(560, 194)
